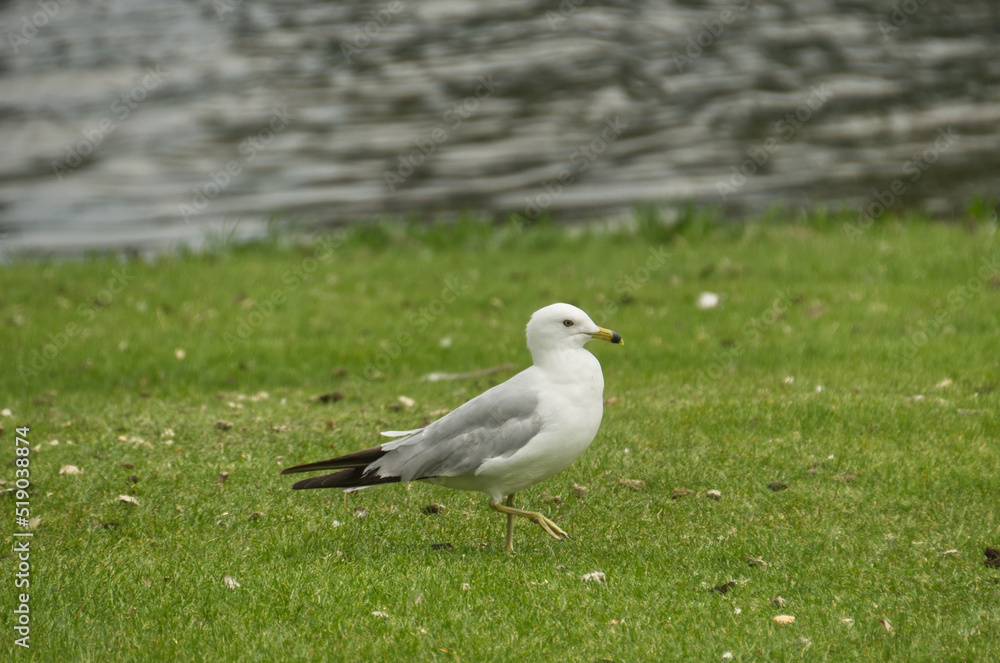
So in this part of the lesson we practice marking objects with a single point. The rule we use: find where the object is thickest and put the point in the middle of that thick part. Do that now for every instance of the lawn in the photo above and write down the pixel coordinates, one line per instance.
(841, 398)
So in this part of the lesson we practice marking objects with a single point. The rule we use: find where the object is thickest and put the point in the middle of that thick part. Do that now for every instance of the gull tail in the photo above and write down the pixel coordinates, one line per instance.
(352, 475)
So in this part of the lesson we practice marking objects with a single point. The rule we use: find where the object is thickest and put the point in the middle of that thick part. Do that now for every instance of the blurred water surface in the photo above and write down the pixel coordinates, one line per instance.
(140, 124)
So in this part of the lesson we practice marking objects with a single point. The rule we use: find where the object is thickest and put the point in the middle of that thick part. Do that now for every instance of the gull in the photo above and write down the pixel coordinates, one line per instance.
(519, 433)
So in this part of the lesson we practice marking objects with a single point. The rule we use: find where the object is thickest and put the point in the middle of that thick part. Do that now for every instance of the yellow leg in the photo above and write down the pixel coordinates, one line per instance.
(509, 543)
(550, 527)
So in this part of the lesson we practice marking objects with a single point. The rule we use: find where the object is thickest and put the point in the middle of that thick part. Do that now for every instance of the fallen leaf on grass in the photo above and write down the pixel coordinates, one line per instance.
(713, 495)
(992, 557)
(128, 499)
(885, 623)
(360, 512)
(779, 602)
(69, 469)
(756, 561)
(222, 477)
(406, 401)
(34, 522)
(725, 587)
(776, 486)
(784, 619)
(679, 493)
(332, 397)
(594, 576)
(379, 613)
(230, 582)
(632, 483)
(441, 546)
(432, 509)
(846, 477)
(222, 424)
(953, 551)
(580, 491)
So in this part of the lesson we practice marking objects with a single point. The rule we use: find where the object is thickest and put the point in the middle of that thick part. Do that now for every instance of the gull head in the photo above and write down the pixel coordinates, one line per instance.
(564, 327)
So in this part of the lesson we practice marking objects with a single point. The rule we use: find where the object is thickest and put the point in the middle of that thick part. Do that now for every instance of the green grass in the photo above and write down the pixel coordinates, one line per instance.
(858, 372)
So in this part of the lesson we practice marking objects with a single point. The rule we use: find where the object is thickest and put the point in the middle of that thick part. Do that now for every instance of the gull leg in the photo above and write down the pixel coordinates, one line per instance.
(509, 543)
(550, 527)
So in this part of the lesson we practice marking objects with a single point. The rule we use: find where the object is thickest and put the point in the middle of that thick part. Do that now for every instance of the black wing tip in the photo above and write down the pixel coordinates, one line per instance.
(361, 458)
(352, 477)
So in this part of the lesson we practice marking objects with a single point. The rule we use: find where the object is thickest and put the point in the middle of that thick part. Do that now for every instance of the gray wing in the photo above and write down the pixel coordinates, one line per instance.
(496, 423)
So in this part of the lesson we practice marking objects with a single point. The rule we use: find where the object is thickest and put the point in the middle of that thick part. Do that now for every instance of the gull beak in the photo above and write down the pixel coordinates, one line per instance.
(608, 335)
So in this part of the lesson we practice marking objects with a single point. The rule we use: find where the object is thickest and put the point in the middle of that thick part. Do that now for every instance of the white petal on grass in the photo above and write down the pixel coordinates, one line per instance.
(709, 300)
(230, 582)
(594, 576)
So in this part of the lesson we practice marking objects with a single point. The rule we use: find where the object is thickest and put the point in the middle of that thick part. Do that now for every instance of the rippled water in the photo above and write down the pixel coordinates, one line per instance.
(143, 124)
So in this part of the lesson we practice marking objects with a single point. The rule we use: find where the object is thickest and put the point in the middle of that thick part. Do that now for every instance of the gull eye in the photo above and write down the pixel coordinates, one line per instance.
(567, 323)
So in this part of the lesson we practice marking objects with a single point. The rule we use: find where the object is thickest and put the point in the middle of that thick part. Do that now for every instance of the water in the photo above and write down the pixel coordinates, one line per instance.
(140, 125)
